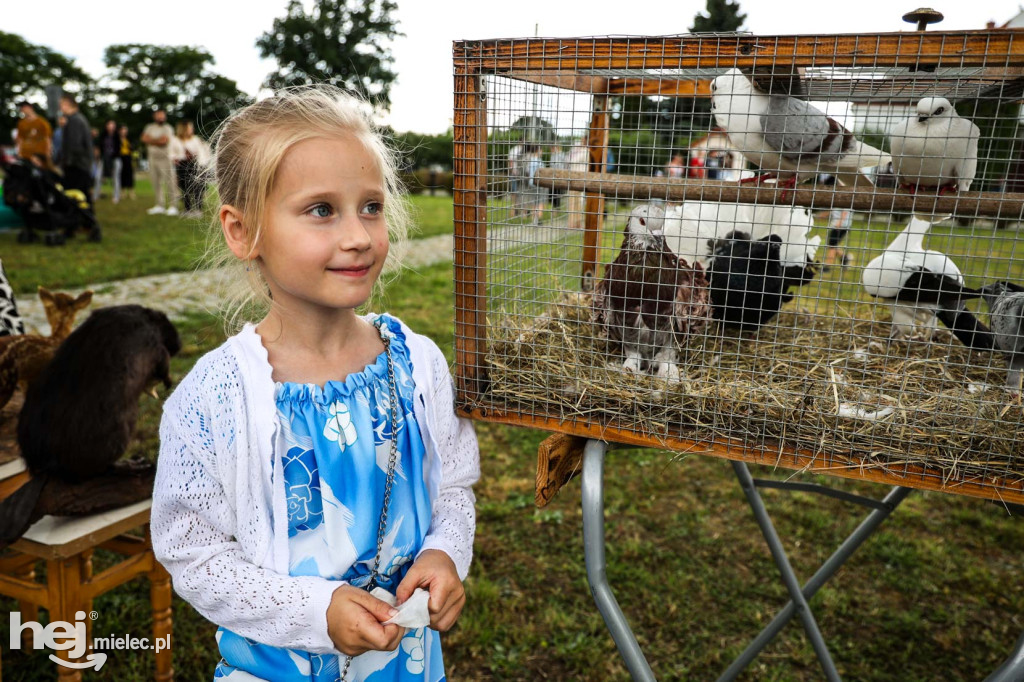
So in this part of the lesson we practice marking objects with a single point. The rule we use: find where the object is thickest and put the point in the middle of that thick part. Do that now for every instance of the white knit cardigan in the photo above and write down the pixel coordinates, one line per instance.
(220, 527)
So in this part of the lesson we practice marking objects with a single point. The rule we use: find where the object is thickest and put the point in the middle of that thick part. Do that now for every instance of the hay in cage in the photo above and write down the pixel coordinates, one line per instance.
(817, 384)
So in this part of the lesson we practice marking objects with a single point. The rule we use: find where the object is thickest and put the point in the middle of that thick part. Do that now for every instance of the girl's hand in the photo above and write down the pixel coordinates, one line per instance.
(435, 572)
(355, 622)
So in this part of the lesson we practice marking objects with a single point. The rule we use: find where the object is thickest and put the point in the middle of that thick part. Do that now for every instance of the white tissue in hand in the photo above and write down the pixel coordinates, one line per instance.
(412, 614)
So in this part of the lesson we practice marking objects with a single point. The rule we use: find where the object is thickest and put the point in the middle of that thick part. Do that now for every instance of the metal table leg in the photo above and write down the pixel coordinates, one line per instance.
(827, 570)
(788, 577)
(593, 549)
(1012, 670)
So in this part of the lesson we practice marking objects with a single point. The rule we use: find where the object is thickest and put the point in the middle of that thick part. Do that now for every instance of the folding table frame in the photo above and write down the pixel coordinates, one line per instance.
(1012, 670)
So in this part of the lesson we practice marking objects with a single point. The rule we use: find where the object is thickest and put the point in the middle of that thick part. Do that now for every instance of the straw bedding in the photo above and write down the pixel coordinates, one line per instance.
(826, 384)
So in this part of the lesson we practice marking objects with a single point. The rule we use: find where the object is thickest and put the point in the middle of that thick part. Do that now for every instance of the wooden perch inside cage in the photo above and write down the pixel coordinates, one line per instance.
(1008, 206)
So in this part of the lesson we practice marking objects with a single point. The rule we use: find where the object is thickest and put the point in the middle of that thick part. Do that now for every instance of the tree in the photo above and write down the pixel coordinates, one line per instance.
(177, 78)
(421, 151)
(341, 42)
(722, 16)
(26, 69)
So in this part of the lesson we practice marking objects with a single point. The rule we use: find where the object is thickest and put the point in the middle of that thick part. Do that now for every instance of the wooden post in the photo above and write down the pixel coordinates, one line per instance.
(470, 169)
(163, 625)
(64, 583)
(85, 559)
(29, 611)
(597, 143)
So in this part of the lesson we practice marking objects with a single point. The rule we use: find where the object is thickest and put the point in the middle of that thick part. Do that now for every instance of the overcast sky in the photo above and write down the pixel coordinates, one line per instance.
(421, 98)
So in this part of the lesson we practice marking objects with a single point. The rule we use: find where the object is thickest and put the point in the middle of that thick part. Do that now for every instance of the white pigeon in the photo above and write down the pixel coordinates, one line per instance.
(936, 149)
(920, 283)
(792, 225)
(786, 137)
(692, 228)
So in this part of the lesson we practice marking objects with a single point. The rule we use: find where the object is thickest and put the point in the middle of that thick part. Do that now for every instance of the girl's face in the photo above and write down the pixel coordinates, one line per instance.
(325, 239)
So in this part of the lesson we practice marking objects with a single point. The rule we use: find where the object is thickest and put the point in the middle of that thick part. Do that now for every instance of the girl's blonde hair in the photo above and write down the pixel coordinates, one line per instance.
(248, 148)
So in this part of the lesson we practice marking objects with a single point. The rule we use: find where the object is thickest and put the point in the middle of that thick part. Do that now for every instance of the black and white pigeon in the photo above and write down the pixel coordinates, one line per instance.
(786, 137)
(649, 299)
(923, 286)
(1006, 316)
(935, 149)
(749, 282)
(692, 228)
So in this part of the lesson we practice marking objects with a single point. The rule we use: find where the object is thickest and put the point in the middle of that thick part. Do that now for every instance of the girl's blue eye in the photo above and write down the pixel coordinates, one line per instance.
(321, 211)
(374, 208)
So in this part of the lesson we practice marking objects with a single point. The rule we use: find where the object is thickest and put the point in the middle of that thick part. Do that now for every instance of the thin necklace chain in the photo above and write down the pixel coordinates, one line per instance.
(392, 462)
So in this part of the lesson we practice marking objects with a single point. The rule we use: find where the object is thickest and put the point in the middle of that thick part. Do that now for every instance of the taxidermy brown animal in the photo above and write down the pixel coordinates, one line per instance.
(79, 417)
(650, 299)
(23, 356)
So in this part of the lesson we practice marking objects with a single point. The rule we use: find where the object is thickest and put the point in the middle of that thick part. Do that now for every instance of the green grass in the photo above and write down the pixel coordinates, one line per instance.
(431, 215)
(136, 244)
(934, 595)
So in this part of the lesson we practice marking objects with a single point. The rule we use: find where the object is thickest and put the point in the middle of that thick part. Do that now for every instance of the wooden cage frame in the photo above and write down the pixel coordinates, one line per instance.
(559, 63)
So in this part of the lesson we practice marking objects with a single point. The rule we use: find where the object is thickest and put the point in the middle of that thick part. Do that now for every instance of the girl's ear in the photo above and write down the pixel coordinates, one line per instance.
(235, 233)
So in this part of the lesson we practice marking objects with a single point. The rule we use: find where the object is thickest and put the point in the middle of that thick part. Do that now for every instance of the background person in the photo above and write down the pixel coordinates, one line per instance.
(58, 135)
(76, 148)
(157, 137)
(33, 132)
(578, 160)
(109, 145)
(676, 166)
(191, 155)
(126, 154)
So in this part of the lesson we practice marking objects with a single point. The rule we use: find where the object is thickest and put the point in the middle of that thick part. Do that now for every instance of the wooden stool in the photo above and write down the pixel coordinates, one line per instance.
(66, 545)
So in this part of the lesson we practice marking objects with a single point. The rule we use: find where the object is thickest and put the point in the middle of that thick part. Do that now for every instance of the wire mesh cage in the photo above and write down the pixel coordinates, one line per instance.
(795, 250)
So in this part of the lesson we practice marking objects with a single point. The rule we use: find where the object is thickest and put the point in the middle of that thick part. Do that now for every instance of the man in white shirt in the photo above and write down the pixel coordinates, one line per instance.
(157, 138)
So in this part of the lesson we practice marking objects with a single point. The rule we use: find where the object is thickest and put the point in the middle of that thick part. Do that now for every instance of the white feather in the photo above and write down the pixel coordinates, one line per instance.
(793, 226)
(688, 230)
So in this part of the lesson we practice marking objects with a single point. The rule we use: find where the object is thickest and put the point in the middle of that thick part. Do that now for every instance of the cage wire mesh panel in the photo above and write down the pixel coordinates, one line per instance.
(797, 250)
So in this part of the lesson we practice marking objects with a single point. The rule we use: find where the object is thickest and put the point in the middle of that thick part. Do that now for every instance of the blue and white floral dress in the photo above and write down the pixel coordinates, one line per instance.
(335, 442)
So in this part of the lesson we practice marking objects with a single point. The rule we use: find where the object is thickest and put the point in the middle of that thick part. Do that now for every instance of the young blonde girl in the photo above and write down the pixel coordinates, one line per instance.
(316, 453)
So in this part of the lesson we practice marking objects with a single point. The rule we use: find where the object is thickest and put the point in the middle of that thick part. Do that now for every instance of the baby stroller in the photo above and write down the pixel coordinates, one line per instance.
(43, 204)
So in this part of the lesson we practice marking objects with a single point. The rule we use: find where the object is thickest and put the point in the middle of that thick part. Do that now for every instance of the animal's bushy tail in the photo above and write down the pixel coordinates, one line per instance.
(18, 511)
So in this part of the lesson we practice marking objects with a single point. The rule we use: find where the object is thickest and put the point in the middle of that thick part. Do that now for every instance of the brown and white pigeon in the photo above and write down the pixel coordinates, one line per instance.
(649, 299)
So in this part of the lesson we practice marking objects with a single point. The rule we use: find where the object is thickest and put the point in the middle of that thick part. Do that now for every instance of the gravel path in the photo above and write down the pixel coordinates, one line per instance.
(178, 293)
